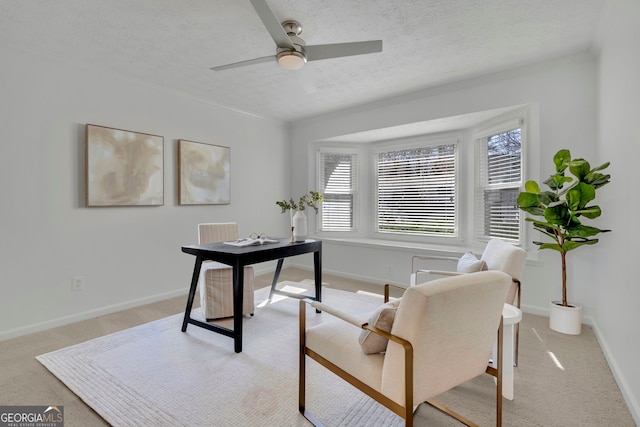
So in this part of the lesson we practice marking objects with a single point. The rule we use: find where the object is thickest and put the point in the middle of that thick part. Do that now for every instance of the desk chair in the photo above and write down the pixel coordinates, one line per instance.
(216, 279)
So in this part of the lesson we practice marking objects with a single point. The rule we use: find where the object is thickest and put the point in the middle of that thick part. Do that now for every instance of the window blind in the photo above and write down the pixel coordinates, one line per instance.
(338, 185)
(499, 165)
(416, 191)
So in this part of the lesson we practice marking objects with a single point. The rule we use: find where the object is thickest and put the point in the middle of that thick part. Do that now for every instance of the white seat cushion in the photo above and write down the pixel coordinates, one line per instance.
(337, 341)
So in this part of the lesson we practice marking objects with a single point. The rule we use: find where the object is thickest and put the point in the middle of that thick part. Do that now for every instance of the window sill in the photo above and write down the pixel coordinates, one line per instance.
(414, 248)
(395, 244)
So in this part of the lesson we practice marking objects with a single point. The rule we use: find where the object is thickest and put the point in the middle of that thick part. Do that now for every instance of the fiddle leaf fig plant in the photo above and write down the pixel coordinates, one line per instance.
(563, 207)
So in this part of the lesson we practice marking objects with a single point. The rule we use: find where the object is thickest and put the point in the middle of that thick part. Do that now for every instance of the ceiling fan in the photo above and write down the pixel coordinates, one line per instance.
(292, 52)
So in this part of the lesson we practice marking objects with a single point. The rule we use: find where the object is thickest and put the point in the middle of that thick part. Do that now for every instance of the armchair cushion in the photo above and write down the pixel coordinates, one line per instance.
(469, 263)
(337, 341)
(381, 318)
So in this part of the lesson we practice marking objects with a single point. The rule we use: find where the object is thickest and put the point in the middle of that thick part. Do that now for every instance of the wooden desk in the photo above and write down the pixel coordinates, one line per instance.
(238, 258)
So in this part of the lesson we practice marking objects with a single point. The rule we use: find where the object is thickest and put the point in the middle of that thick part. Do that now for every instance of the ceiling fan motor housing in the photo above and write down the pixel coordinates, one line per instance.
(291, 59)
(286, 57)
(292, 27)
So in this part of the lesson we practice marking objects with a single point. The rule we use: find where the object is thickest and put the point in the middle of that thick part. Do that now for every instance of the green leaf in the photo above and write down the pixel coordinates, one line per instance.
(528, 200)
(602, 166)
(556, 181)
(549, 182)
(597, 179)
(557, 215)
(553, 246)
(547, 197)
(531, 187)
(570, 245)
(573, 198)
(587, 193)
(545, 227)
(534, 210)
(573, 221)
(580, 168)
(583, 231)
(561, 160)
(580, 195)
(591, 212)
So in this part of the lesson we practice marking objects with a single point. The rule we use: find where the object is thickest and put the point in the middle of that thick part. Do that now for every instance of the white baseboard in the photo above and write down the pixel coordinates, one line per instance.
(89, 314)
(629, 397)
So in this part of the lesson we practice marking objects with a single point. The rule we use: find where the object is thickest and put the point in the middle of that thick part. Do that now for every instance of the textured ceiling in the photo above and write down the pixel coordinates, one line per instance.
(426, 43)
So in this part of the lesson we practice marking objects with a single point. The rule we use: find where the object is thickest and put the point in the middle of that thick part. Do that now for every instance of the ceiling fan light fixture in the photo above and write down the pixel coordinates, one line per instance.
(291, 60)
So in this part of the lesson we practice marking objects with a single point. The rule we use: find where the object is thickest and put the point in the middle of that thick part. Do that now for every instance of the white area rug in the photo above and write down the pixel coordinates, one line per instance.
(156, 375)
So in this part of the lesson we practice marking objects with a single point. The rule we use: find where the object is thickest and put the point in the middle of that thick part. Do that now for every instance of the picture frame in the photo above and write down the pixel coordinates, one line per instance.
(204, 173)
(123, 168)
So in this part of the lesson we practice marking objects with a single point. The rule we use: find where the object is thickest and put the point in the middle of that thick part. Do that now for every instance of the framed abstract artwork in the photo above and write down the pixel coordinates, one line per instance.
(123, 168)
(203, 173)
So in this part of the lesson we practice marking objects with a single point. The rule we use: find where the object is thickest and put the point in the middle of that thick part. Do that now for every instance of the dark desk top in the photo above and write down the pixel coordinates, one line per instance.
(230, 255)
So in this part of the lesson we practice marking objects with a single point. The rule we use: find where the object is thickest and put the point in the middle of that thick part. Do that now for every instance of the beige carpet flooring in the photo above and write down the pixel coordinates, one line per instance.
(561, 381)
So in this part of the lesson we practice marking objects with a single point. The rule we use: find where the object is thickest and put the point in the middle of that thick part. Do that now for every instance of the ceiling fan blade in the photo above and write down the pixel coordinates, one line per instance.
(243, 63)
(337, 50)
(271, 23)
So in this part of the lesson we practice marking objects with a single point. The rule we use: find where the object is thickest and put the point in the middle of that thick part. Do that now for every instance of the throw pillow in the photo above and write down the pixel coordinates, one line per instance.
(469, 263)
(381, 318)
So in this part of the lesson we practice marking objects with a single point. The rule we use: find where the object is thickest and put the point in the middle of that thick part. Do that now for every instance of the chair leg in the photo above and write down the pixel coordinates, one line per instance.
(515, 358)
(301, 355)
(499, 374)
(302, 369)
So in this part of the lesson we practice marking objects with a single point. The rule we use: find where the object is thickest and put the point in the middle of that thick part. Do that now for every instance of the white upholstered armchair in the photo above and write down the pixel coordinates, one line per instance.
(497, 255)
(442, 335)
(216, 279)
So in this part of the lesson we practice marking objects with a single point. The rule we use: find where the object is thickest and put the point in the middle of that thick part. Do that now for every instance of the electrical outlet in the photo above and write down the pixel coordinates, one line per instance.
(77, 283)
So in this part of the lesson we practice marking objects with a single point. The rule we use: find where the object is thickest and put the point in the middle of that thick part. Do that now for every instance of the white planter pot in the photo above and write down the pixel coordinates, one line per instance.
(300, 226)
(566, 320)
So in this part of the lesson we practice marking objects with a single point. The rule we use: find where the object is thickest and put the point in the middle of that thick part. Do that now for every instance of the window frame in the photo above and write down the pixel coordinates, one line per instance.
(343, 150)
(495, 127)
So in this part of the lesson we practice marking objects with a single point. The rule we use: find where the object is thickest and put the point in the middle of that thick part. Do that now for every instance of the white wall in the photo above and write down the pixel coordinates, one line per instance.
(616, 285)
(127, 255)
(565, 93)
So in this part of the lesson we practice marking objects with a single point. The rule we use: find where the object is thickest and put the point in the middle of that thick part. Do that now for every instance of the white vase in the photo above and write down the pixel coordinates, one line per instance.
(566, 320)
(300, 226)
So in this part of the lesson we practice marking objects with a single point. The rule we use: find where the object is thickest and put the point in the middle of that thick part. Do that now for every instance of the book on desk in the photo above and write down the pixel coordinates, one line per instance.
(248, 241)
